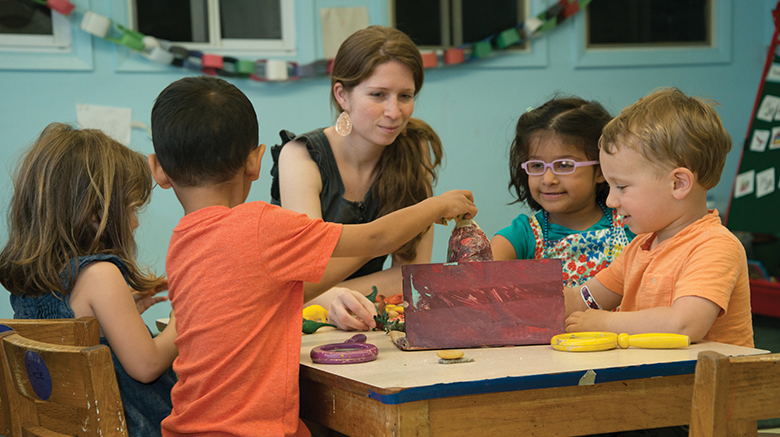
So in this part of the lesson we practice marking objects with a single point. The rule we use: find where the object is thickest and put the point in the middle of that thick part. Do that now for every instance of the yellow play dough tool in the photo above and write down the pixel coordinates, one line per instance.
(601, 341)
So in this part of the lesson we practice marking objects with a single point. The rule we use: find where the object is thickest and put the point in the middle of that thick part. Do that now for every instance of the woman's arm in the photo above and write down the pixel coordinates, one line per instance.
(101, 292)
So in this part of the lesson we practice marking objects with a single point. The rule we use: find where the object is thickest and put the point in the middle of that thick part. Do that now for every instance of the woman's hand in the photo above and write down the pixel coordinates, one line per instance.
(145, 299)
(350, 311)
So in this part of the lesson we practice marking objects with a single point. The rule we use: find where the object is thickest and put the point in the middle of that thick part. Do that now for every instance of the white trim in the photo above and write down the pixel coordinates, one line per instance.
(70, 51)
(58, 41)
(534, 54)
(717, 52)
(128, 60)
(238, 47)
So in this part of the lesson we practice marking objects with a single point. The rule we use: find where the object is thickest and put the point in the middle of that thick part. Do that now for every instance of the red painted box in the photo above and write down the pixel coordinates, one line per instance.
(765, 297)
(491, 303)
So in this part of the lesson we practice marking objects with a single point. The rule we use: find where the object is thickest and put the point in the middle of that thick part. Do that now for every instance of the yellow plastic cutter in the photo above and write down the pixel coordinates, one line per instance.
(600, 341)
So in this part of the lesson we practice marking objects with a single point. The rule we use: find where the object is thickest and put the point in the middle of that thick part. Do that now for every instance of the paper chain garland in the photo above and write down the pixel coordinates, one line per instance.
(276, 70)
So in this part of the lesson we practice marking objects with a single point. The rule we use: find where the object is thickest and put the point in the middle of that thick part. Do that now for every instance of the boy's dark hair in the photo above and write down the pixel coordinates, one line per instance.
(575, 121)
(203, 129)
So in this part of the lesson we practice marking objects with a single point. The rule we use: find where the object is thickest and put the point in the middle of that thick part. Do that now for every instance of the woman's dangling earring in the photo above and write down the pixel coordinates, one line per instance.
(344, 124)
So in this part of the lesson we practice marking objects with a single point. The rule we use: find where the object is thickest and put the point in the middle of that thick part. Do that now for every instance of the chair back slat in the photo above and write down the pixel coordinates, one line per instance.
(731, 393)
(83, 331)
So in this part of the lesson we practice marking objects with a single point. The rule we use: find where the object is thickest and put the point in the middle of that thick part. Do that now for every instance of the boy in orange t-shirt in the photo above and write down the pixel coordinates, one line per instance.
(686, 273)
(236, 269)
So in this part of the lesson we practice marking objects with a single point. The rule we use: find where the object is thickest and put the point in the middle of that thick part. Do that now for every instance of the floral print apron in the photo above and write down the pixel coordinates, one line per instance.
(583, 253)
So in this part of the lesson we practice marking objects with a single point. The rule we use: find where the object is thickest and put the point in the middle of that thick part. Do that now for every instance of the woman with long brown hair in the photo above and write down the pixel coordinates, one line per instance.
(375, 160)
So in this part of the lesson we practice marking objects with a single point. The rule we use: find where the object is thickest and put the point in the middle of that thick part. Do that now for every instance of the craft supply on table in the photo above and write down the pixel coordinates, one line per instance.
(354, 350)
(468, 243)
(389, 311)
(314, 318)
(452, 357)
(317, 313)
(310, 326)
(600, 341)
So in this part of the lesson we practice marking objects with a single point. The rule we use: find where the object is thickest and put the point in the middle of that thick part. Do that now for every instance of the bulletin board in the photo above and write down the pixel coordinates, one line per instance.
(755, 200)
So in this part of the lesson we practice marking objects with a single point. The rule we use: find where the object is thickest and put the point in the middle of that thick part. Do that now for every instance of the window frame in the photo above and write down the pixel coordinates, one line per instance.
(69, 48)
(235, 46)
(128, 60)
(452, 31)
(534, 54)
(58, 41)
(718, 51)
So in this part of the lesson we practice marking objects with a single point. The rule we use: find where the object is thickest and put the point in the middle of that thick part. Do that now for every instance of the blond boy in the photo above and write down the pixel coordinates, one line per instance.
(685, 272)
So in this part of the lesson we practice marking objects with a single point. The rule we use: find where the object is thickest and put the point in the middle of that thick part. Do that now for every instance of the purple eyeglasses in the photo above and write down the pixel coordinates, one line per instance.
(559, 166)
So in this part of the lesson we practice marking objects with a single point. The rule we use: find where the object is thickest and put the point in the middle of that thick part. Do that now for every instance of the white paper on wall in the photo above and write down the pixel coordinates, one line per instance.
(115, 122)
(338, 24)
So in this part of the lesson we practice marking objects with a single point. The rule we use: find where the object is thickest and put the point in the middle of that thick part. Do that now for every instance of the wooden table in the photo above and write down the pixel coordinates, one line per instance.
(522, 391)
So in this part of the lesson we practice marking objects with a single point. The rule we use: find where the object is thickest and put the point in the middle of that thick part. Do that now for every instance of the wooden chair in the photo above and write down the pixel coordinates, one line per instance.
(75, 377)
(731, 393)
(83, 331)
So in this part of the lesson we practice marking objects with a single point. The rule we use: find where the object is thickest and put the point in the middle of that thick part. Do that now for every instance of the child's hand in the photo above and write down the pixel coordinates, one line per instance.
(457, 202)
(145, 299)
(585, 321)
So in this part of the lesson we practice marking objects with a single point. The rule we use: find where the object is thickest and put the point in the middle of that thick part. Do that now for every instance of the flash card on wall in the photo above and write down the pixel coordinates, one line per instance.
(765, 182)
(744, 185)
(760, 138)
(774, 140)
(768, 108)
(773, 75)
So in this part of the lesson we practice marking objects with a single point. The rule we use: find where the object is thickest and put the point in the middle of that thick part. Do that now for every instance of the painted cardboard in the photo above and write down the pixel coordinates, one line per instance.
(477, 304)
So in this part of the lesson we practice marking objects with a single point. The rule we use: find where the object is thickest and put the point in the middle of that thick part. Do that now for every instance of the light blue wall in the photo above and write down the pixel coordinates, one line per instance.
(473, 107)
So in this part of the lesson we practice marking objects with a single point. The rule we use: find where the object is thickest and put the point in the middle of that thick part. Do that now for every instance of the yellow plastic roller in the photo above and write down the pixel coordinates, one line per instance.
(601, 341)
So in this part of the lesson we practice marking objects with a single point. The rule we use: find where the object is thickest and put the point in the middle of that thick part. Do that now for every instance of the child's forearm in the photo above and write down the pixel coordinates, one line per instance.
(691, 316)
(595, 296)
(398, 227)
(572, 300)
(388, 233)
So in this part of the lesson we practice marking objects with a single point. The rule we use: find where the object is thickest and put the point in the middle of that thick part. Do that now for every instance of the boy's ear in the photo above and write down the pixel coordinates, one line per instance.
(253, 162)
(683, 180)
(157, 172)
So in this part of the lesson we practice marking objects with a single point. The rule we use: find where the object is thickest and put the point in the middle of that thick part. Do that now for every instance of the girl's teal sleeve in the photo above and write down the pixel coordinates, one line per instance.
(520, 235)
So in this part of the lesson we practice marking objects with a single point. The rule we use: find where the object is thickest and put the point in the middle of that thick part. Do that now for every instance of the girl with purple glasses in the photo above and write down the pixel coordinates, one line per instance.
(554, 169)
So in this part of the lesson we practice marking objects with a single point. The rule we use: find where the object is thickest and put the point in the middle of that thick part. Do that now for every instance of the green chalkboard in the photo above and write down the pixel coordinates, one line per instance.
(755, 199)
